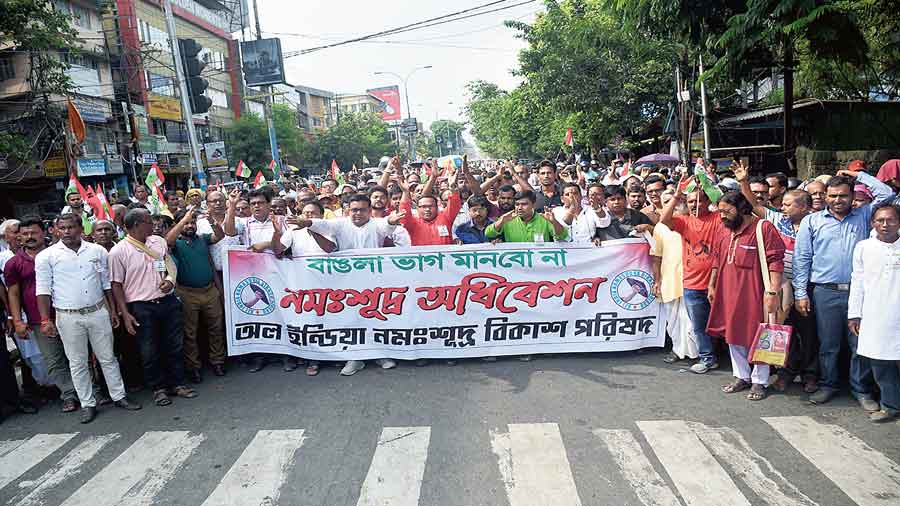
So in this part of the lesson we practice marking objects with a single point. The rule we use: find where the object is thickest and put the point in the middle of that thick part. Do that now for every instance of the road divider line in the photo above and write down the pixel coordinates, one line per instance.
(69, 466)
(8, 446)
(756, 471)
(700, 480)
(534, 466)
(637, 470)
(866, 475)
(258, 474)
(137, 475)
(398, 466)
(23, 457)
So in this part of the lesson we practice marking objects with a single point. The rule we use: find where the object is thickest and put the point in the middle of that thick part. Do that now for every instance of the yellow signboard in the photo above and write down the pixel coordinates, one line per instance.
(55, 167)
(161, 107)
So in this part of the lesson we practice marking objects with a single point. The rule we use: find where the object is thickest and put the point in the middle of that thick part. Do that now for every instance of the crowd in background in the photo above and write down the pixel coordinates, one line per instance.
(137, 303)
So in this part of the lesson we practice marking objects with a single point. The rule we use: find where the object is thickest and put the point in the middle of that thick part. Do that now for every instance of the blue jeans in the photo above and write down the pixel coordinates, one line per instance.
(831, 322)
(887, 375)
(161, 334)
(697, 306)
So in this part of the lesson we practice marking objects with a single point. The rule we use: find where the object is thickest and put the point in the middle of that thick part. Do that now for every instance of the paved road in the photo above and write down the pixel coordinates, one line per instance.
(613, 429)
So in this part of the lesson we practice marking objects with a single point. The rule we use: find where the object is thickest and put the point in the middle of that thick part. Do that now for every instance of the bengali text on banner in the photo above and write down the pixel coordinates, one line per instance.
(443, 302)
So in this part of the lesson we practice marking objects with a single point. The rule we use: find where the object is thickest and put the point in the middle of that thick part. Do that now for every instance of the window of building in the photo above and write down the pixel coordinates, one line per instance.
(95, 138)
(81, 15)
(317, 122)
(7, 66)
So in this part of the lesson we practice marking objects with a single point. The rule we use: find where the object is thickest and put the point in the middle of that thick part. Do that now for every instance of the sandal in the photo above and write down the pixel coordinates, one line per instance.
(738, 385)
(757, 393)
(312, 370)
(160, 398)
(185, 392)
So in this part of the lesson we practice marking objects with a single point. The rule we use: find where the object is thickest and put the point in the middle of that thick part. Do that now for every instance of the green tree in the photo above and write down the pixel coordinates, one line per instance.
(356, 136)
(36, 26)
(247, 139)
(450, 133)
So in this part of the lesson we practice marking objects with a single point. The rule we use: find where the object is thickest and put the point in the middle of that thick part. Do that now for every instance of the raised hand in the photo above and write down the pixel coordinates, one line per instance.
(234, 197)
(741, 171)
(395, 217)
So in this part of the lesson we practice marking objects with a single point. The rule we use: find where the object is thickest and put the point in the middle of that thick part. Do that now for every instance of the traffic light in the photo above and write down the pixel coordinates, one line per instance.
(193, 65)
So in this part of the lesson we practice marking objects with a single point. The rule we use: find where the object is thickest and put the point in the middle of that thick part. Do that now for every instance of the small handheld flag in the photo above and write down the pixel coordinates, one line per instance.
(259, 181)
(570, 141)
(242, 170)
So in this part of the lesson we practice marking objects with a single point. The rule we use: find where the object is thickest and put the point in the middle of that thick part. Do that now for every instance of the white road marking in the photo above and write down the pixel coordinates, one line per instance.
(395, 474)
(69, 466)
(28, 454)
(700, 480)
(8, 446)
(866, 475)
(258, 474)
(752, 468)
(136, 476)
(647, 484)
(534, 465)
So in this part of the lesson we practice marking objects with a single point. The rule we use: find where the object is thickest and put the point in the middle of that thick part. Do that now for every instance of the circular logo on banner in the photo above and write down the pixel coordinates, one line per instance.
(254, 297)
(632, 290)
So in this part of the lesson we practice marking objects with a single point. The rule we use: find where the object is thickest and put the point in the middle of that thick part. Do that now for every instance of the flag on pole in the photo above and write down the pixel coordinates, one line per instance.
(273, 166)
(101, 194)
(242, 170)
(74, 186)
(155, 177)
(570, 141)
(76, 123)
(336, 173)
(365, 160)
(354, 169)
(701, 179)
(259, 181)
(90, 198)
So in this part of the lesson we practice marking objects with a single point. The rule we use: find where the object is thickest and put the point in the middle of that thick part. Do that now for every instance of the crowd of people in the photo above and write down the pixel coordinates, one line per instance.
(137, 303)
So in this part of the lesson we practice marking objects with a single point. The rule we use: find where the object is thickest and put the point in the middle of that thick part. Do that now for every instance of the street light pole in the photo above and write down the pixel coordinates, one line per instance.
(405, 81)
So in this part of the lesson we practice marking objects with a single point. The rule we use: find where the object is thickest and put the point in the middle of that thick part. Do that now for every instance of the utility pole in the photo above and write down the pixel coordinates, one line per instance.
(273, 140)
(706, 147)
(186, 113)
(788, 100)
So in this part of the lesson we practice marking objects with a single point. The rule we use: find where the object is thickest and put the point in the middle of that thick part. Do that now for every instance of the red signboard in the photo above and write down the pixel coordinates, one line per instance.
(389, 96)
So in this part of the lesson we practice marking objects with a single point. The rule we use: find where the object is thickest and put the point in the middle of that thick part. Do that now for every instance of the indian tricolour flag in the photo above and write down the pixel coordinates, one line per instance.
(241, 170)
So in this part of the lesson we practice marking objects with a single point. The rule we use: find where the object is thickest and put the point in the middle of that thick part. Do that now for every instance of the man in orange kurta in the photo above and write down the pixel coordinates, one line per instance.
(737, 295)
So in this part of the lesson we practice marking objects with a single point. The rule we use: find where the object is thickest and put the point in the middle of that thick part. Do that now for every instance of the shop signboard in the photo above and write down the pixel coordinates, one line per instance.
(215, 154)
(91, 167)
(55, 166)
(161, 107)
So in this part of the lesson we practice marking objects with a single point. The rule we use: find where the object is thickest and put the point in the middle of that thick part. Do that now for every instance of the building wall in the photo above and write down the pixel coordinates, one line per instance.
(151, 28)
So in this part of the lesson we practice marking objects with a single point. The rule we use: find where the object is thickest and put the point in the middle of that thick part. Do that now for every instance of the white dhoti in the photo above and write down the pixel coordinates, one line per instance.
(678, 326)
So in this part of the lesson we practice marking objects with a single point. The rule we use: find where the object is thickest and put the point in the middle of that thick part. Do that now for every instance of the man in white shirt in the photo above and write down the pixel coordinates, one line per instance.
(874, 298)
(255, 232)
(581, 222)
(72, 279)
(215, 207)
(357, 231)
(301, 241)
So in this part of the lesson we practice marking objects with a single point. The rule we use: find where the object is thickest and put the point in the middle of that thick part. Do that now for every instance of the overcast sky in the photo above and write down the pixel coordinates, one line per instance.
(482, 47)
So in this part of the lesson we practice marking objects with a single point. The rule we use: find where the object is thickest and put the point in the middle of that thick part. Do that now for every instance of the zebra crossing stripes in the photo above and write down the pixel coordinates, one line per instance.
(34, 492)
(397, 468)
(702, 482)
(866, 475)
(637, 470)
(23, 457)
(137, 475)
(662, 463)
(534, 465)
(257, 476)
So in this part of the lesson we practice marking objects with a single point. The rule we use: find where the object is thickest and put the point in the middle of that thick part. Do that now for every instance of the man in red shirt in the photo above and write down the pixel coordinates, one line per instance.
(699, 231)
(431, 227)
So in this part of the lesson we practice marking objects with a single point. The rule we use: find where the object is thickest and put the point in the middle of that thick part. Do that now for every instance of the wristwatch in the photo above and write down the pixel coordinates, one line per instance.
(770, 292)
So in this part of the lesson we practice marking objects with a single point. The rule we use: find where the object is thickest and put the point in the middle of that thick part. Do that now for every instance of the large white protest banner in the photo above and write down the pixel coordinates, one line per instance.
(443, 302)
